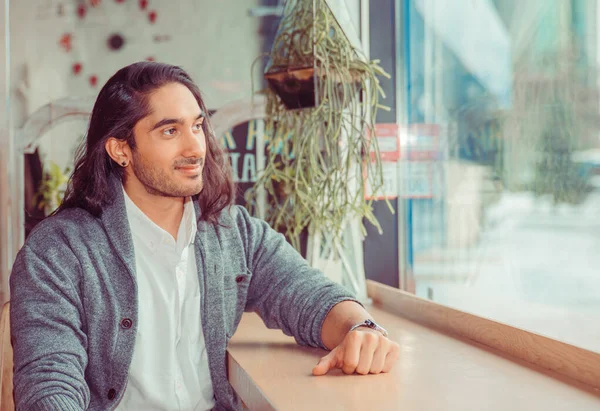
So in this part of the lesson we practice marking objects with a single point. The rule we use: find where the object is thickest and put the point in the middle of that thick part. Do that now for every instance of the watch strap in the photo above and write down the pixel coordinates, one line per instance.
(372, 325)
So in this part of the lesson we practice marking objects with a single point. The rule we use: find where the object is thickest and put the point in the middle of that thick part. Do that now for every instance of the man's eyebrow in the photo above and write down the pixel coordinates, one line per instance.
(167, 121)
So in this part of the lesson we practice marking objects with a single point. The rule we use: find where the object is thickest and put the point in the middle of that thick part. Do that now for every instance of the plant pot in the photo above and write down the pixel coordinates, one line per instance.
(294, 85)
(297, 89)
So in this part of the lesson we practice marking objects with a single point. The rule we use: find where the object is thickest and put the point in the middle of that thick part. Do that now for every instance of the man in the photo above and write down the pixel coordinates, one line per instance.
(127, 296)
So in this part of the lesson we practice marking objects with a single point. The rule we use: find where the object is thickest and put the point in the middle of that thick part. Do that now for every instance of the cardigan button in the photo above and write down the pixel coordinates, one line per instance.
(126, 323)
(111, 394)
(239, 279)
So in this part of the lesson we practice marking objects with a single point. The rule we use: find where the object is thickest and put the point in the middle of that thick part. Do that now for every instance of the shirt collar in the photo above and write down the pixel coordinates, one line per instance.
(151, 234)
(189, 221)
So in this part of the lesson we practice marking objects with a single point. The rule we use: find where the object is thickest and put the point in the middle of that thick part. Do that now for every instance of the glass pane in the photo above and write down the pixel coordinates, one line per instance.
(509, 229)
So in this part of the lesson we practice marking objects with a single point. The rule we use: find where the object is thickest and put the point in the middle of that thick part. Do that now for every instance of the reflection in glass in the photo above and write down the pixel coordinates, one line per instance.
(511, 232)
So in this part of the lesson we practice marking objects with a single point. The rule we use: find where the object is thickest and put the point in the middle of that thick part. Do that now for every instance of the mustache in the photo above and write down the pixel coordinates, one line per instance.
(190, 162)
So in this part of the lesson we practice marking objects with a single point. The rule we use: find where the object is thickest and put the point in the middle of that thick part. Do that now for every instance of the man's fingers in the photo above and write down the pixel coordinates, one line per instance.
(351, 352)
(325, 364)
(379, 359)
(361, 352)
(370, 341)
(391, 357)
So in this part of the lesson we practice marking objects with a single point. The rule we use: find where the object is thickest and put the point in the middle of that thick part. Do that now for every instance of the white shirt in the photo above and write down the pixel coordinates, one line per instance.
(169, 369)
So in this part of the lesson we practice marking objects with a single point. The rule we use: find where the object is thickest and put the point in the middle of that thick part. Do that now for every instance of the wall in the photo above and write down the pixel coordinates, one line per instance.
(5, 249)
(216, 42)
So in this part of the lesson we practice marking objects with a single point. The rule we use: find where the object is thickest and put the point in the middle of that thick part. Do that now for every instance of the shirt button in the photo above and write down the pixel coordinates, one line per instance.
(111, 394)
(126, 323)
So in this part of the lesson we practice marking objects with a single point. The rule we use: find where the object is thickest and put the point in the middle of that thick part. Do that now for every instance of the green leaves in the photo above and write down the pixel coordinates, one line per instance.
(318, 158)
(52, 188)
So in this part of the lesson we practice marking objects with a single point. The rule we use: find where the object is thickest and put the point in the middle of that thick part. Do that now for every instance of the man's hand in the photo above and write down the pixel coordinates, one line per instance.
(362, 351)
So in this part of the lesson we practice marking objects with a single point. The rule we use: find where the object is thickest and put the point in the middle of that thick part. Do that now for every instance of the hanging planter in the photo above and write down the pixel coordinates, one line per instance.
(322, 101)
(295, 86)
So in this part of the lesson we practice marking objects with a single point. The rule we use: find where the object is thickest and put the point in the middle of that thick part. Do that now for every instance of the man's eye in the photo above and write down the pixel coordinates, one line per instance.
(170, 131)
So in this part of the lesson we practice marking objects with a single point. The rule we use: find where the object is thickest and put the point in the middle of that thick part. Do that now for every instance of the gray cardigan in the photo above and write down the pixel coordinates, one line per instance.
(74, 305)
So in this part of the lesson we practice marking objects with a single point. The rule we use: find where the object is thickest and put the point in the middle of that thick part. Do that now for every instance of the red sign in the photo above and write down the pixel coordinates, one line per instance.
(388, 141)
(420, 142)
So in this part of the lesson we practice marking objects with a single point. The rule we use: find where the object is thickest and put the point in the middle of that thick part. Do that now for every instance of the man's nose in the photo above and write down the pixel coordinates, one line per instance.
(195, 144)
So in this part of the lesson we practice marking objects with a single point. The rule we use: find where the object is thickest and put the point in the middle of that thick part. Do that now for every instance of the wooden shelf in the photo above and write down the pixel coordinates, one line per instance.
(435, 372)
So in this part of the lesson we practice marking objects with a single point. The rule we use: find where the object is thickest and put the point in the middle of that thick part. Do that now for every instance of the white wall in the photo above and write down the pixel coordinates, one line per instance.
(215, 41)
(5, 233)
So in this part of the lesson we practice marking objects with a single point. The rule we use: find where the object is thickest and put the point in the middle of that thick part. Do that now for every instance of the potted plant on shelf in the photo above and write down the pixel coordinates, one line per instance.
(321, 108)
(52, 188)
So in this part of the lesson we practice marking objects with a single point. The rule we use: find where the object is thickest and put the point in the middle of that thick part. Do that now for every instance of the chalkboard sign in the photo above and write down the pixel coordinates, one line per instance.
(240, 143)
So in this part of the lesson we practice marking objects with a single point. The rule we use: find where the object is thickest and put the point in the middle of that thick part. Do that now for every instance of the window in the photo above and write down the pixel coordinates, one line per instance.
(506, 95)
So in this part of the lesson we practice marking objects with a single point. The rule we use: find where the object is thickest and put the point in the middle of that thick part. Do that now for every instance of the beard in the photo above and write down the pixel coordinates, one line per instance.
(159, 182)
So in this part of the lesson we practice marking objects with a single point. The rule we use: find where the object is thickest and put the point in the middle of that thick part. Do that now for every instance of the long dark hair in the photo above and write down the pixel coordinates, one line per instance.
(122, 102)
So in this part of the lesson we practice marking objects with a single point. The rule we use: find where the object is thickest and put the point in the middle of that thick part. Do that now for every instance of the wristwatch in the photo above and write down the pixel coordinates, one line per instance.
(372, 325)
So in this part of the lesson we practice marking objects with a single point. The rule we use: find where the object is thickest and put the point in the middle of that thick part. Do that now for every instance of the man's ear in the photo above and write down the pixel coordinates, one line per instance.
(119, 151)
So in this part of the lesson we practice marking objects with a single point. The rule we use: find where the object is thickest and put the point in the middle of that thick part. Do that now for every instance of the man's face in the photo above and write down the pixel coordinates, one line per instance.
(170, 144)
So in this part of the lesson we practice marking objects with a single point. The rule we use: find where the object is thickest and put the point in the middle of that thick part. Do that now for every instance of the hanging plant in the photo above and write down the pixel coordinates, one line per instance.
(321, 108)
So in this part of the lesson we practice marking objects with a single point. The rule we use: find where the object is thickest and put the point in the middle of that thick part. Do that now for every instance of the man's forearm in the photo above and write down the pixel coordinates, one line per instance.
(339, 321)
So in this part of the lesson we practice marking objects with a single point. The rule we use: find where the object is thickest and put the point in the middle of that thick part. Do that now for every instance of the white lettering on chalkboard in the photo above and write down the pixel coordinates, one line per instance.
(248, 167)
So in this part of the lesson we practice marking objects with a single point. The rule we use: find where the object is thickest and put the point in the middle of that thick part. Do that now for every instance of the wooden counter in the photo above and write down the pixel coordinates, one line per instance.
(435, 372)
